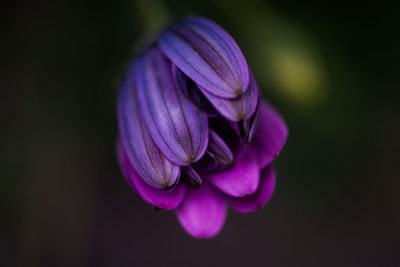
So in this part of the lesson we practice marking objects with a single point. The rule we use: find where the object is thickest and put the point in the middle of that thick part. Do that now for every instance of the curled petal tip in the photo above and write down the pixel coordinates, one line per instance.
(220, 150)
(191, 176)
(248, 127)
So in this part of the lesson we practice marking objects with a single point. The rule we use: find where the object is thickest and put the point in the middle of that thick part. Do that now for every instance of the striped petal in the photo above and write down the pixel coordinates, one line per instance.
(193, 92)
(208, 55)
(151, 165)
(239, 108)
(176, 125)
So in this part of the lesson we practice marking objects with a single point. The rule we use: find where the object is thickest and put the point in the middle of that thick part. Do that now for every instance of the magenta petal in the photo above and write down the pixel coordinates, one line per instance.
(241, 179)
(270, 136)
(260, 197)
(167, 200)
(202, 213)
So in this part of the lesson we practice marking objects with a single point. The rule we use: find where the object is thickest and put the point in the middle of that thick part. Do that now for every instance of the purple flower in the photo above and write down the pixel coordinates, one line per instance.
(195, 136)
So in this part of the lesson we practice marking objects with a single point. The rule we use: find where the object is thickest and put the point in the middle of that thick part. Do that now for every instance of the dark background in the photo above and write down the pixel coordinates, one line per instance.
(331, 68)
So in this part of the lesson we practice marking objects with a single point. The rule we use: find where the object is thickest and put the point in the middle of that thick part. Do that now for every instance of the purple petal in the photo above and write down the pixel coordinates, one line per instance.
(260, 197)
(239, 108)
(192, 91)
(203, 211)
(191, 175)
(226, 131)
(217, 157)
(241, 179)
(159, 198)
(251, 125)
(246, 129)
(220, 151)
(208, 55)
(178, 128)
(270, 136)
(151, 165)
(207, 163)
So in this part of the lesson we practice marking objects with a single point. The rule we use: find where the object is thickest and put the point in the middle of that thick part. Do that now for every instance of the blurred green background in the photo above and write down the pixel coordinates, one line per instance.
(331, 68)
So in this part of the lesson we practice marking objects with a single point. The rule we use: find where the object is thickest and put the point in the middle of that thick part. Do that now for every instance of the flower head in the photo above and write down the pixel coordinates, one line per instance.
(195, 136)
